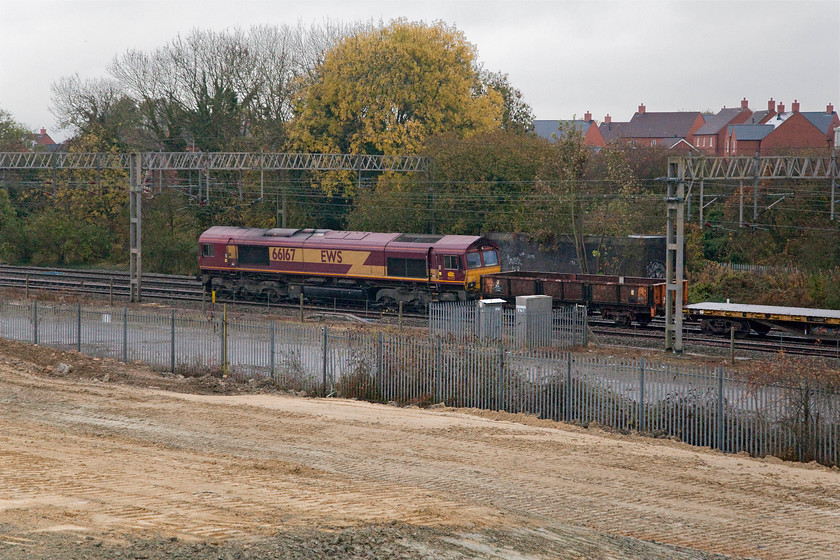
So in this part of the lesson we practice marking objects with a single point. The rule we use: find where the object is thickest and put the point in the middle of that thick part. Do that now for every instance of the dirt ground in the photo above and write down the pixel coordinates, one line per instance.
(116, 461)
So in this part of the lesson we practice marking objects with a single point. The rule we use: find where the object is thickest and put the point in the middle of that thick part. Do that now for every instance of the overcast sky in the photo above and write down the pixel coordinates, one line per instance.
(566, 56)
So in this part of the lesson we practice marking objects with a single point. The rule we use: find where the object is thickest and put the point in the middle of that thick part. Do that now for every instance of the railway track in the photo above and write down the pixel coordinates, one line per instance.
(187, 290)
(773, 342)
(173, 289)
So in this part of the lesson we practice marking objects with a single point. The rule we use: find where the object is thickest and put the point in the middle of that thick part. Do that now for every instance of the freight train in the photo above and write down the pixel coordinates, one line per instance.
(383, 269)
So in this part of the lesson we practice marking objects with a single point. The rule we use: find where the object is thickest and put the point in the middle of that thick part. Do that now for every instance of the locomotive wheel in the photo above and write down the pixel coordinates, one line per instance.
(273, 295)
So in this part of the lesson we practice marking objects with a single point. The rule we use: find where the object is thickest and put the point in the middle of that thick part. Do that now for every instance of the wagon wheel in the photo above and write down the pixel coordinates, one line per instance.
(623, 320)
(760, 328)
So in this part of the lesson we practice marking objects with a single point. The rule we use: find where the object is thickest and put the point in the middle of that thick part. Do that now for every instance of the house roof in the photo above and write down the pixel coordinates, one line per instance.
(757, 117)
(746, 132)
(548, 128)
(716, 123)
(612, 130)
(778, 119)
(675, 124)
(822, 121)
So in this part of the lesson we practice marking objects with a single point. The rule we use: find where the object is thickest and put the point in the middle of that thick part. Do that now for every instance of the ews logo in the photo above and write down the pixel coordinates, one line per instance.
(328, 256)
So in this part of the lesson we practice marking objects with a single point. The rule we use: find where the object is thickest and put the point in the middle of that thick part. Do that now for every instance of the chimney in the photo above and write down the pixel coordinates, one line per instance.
(771, 106)
(642, 109)
(745, 104)
(794, 106)
(608, 118)
(780, 108)
(587, 117)
(43, 131)
(829, 108)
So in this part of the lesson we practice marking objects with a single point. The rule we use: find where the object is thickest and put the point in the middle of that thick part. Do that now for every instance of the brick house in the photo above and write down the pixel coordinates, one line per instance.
(647, 129)
(784, 131)
(43, 139)
(550, 129)
(611, 131)
(710, 139)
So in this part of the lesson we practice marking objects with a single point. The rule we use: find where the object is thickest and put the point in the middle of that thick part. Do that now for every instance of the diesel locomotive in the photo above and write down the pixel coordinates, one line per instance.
(320, 264)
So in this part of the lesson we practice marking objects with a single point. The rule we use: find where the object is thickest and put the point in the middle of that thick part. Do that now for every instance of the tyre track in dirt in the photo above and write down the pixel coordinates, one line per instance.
(221, 467)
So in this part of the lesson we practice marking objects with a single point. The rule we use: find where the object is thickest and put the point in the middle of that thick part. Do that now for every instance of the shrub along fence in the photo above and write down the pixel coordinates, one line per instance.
(699, 405)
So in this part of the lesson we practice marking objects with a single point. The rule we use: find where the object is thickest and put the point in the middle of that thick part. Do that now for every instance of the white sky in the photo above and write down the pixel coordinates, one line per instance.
(566, 56)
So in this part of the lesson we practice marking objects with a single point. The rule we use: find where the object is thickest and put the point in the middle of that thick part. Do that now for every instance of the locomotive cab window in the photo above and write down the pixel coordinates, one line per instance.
(491, 258)
(451, 262)
(250, 254)
(207, 250)
(473, 260)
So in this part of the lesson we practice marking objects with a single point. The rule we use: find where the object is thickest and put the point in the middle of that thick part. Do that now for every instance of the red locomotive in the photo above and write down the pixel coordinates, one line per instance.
(383, 268)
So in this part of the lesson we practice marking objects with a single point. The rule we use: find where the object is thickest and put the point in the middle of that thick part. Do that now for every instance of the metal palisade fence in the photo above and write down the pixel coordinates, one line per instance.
(699, 405)
(565, 327)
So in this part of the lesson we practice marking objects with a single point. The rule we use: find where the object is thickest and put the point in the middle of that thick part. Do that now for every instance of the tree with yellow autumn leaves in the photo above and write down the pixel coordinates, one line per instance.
(386, 90)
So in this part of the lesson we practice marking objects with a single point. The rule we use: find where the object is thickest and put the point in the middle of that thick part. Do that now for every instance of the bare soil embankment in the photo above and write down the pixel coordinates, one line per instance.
(116, 461)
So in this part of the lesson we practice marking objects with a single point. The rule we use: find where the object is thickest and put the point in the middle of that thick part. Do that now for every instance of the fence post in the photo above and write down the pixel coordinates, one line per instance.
(125, 335)
(568, 386)
(271, 352)
(642, 395)
(500, 373)
(35, 321)
(224, 340)
(79, 327)
(324, 368)
(585, 312)
(172, 346)
(379, 365)
(720, 409)
(438, 370)
(301, 307)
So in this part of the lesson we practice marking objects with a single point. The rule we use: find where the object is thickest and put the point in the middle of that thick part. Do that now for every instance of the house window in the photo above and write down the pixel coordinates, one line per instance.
(207, 250)
(452, 262)
(712, 142)
(653, 142)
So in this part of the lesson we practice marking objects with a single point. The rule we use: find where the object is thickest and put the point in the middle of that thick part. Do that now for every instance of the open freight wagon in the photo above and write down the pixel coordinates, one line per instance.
(623, 299)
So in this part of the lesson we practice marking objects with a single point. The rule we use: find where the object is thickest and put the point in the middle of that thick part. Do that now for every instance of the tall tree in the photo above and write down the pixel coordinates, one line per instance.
(517, 115)
(561, 183)
(384, 91)
(14, 136)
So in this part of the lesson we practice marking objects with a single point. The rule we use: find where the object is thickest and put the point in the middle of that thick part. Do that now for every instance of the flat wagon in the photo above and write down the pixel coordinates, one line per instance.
(721, 318)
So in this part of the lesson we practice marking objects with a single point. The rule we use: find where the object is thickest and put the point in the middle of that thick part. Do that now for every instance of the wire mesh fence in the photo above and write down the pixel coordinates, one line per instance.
(700, 405)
